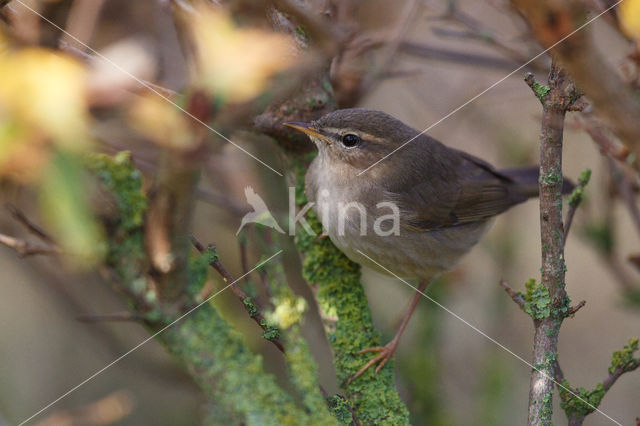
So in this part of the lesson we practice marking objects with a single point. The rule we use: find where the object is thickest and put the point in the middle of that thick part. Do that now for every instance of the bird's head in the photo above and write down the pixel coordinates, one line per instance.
(356, 137)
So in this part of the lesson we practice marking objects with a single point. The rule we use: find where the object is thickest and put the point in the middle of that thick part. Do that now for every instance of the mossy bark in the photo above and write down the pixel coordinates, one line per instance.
(347, 318)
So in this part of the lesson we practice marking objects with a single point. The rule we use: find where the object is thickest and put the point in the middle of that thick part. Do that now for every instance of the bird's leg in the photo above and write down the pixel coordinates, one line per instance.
(387, 351)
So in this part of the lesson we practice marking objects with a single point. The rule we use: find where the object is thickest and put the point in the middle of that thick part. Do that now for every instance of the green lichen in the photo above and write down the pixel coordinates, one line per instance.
(214, 353)
(348, 320)
(623, 360)
(303, 369)
(587, 401)
(551, 178)
(540, 90)
(119, 175)
(547, 408)
(580, 402)
(251, 307)
(578, 192)
(537, 300)
(198, 274)
(125, 251)
(340, 409)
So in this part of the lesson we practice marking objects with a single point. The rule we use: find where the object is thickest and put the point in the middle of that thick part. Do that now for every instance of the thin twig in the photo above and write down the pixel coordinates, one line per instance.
(515, 296)
(240, 294)
(33, 228)
(575, 199)
(24, 248)
(572, 311)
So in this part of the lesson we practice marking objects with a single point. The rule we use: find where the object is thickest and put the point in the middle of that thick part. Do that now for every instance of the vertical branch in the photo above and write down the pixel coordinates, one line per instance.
(555, 99)
(171, 203)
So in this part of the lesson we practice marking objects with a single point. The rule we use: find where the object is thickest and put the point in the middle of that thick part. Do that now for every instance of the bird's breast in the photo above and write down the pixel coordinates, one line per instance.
(363, 224)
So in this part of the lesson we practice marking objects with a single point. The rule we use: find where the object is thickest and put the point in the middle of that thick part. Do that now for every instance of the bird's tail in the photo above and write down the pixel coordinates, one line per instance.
(526, 179)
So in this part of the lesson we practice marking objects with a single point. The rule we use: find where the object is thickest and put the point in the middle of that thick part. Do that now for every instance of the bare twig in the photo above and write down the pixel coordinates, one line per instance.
(612, 98)
(251, 307)
(33, 228)
(480, 32)
(515, 296)
(24, 248)
(572, 311)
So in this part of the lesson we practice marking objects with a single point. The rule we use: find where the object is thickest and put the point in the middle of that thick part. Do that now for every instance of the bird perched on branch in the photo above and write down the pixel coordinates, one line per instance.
(430, 204)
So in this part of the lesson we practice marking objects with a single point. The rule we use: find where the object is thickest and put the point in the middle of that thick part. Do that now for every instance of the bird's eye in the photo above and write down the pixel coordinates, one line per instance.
(350, 140)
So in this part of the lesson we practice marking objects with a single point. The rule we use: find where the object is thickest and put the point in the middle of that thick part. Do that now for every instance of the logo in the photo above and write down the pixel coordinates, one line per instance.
(336, 215)
(260, 213)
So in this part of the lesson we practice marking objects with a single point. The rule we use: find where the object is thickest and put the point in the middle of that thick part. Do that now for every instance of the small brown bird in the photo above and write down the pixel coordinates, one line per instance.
(436, 202)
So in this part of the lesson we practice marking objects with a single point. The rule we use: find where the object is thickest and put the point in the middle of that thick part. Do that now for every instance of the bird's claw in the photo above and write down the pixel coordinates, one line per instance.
(386, 353)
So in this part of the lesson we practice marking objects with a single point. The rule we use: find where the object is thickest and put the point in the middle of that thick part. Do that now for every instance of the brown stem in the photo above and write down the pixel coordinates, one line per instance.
(555, 99)
(613, 99)
(240, 294)
(32, 227)
(171, 205)
(24, 248)
(515, 296)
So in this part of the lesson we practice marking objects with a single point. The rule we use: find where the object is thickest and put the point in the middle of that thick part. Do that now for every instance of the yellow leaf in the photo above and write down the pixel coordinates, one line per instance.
(161, 122)
(45, 91)
(236, 64)
(630, 18)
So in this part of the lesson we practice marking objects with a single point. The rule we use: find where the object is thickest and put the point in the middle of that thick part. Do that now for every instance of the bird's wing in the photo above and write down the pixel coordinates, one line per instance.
(457, 189)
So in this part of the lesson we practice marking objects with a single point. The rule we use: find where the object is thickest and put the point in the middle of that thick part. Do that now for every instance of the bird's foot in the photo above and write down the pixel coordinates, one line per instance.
(386, 353)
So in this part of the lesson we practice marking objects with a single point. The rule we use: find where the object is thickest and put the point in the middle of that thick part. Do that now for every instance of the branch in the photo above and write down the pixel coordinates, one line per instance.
(515, 296)
(33, 228)
(574, 201)
(346, 317)
(612, 98)
(270, 333)
(548, 301)
(171, 205)
(24, 248)
(578, 403)
(213, 353)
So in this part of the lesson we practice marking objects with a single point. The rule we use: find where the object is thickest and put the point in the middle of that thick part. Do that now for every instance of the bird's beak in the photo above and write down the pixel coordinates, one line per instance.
(305, 128)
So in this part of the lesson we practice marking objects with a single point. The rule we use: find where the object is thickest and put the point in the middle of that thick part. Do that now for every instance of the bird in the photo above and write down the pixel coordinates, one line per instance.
(260, 213)
(438, 201)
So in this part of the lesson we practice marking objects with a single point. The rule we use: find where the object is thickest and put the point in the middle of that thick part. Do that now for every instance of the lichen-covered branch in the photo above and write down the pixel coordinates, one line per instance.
(572, 400)
(171, 206)
(211, 351)
(347, 319)
(270, 332)
(288, 314)
(548, 302)
(229, 373)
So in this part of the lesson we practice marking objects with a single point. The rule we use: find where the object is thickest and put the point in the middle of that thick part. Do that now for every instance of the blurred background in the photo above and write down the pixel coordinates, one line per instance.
(442, 54)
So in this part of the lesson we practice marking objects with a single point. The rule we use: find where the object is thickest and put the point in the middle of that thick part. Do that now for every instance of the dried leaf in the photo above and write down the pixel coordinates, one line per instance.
(236, 64)
(161, 122)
